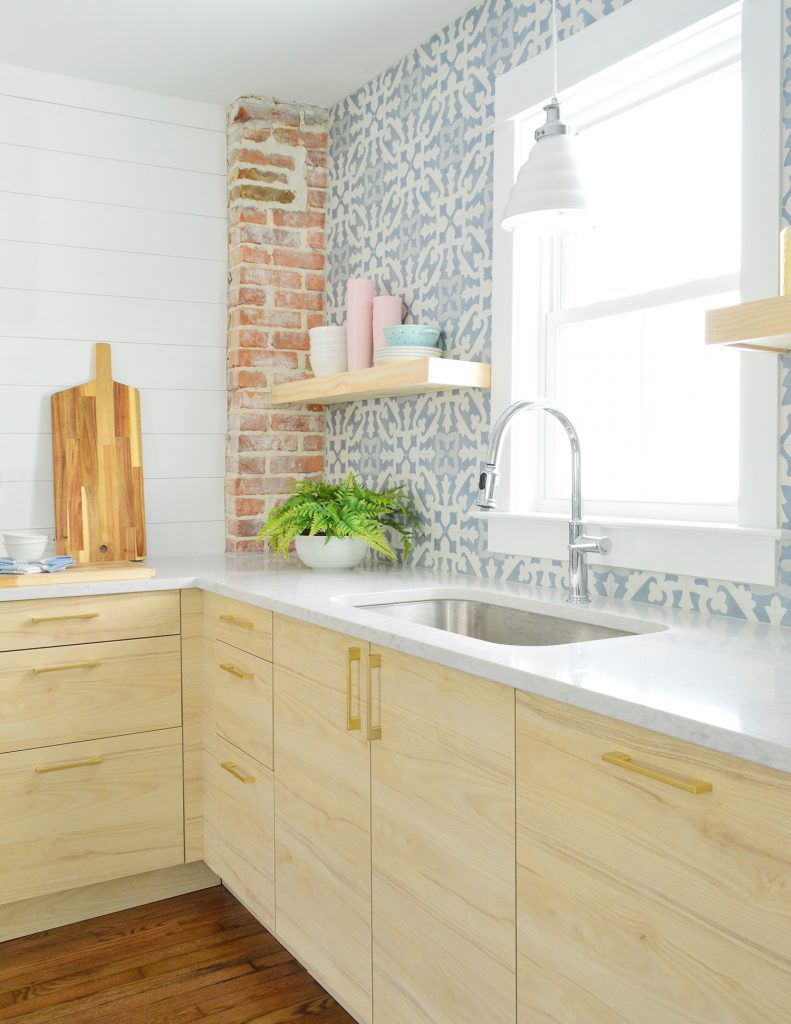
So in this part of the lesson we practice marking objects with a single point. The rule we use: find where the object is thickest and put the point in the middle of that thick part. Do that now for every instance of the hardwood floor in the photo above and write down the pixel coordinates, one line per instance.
(200, 957)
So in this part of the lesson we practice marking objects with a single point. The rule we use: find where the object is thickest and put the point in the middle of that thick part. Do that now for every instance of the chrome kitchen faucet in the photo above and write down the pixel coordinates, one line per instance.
(580, 543)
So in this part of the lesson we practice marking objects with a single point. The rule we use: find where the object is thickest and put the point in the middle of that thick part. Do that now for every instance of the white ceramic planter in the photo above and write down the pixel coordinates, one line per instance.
(335, 553)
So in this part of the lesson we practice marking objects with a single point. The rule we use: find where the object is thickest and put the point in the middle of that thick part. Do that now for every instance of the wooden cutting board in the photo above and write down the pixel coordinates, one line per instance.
(98, 463)
(98, 572)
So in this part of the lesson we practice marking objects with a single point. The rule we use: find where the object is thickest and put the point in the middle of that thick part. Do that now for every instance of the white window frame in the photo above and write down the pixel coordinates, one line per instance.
(745, 552)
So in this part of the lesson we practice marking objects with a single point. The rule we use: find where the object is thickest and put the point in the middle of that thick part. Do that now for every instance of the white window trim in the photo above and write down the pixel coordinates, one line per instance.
(747, 552)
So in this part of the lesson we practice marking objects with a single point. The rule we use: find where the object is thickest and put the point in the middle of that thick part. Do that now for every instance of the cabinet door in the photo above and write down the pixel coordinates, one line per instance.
(443, 845)
(322, 808)
(80, 813)
(239, 842)
(639, 901)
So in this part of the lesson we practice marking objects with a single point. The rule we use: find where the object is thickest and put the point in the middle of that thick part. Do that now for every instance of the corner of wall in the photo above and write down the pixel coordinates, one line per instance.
(277, 181)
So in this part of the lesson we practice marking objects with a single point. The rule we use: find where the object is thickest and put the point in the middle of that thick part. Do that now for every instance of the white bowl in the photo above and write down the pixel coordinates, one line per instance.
(335, 553)
(324, 364)
(327, 335)
(25, 547)
(328, 349)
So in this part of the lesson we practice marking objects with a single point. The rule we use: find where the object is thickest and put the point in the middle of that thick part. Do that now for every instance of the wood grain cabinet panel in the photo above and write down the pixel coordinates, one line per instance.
(242, 700)
(239, 839)
(241, 625)
(322, 809)
(53, 622)
(639, 901)
(88, 812)
(69, 694)
(443, 845)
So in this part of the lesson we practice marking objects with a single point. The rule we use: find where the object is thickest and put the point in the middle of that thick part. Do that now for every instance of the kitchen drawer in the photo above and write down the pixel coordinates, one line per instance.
(88, 812)
(55, 622)
(241, 625)
(242, 700)
(240, 814)
(69, 694)
(639, 899)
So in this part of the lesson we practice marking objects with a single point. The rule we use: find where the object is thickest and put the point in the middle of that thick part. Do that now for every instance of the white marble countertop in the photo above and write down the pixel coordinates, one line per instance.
(718, 682)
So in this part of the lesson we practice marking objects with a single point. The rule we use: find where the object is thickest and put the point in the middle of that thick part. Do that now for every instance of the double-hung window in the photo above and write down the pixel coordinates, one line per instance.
(677, 108)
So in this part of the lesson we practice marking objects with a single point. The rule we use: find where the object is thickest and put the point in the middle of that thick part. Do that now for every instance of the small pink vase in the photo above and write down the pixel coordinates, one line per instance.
(359, 323)
(387, 313)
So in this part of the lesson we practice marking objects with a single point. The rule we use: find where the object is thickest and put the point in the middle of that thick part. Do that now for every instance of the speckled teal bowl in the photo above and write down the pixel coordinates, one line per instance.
(411, 334)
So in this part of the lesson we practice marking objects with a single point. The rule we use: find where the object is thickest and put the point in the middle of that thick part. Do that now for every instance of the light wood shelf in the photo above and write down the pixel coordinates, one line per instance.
(410, 377)
(764, 325)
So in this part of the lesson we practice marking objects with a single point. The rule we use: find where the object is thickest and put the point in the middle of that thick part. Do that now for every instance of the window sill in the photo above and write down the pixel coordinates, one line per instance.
(711, 550)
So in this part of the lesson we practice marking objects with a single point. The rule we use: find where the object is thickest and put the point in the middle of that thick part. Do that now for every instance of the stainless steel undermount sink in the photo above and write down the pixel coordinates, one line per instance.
(497, 623)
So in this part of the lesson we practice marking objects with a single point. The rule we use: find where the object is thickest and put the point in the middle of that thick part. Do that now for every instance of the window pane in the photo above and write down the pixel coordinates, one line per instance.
(665, 181)
(656, 409)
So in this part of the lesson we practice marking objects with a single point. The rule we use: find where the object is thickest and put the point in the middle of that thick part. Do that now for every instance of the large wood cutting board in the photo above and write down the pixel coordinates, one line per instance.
(98, 464)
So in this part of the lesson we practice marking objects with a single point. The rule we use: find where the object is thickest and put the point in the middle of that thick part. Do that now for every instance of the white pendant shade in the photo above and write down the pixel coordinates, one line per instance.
(548, 194)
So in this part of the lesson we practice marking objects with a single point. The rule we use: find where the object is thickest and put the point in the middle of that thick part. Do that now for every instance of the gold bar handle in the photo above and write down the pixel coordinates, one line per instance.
(374, 663)
(234, 671)
(63, 618)
(232, 769)
(353, 722)
(242, 623)
(66, 668)
(622, 760)
(43, 769)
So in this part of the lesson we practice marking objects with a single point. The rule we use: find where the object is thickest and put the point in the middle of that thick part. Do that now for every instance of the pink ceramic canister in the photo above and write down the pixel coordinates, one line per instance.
(387, 313)
(359, 322)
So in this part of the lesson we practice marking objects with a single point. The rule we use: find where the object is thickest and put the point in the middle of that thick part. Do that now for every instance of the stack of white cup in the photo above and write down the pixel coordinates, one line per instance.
(328, 350)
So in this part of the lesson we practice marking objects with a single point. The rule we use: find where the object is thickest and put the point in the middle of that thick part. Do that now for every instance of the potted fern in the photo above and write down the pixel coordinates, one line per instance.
(334, 525)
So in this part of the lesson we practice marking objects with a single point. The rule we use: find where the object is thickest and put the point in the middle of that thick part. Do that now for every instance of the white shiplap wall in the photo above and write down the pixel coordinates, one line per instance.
(113, 228)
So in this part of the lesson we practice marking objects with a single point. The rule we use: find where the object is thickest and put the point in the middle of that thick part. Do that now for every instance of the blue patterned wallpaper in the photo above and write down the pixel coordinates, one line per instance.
(411, 171)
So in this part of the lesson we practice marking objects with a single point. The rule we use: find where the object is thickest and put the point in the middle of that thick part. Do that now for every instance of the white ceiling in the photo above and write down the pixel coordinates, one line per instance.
(314, 51)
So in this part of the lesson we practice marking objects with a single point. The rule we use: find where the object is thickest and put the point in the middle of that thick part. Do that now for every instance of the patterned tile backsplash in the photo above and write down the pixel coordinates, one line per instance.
(411, 172)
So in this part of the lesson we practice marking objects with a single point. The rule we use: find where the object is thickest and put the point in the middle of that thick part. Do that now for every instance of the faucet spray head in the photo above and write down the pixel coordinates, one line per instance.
(487, 484)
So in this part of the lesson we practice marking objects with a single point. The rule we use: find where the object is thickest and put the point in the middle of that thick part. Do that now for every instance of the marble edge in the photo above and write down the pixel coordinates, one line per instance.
(343, 616)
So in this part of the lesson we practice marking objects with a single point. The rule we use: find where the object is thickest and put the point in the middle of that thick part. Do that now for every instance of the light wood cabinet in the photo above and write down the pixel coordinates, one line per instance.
(239, 841)
(322, 808)
(58, 621)
(68, 694)
(88, 812)
(239, 624)
(241, 697)
(443, 845)
(638, 900)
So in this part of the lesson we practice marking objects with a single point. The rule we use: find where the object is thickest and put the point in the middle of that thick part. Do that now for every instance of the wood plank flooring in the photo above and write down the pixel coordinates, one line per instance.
(200, 957)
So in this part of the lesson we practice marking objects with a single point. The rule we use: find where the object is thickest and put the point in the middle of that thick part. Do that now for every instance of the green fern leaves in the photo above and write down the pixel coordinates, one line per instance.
(346, 509)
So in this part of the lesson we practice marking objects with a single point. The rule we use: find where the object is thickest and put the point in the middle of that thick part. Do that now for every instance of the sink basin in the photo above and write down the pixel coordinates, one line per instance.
(496, 623)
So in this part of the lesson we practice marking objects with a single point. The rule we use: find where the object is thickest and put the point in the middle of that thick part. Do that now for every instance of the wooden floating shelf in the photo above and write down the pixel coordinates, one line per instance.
(764, 326)
(408, 377)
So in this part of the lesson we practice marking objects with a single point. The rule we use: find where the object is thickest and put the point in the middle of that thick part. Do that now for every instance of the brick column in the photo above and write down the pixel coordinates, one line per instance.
(277, 180)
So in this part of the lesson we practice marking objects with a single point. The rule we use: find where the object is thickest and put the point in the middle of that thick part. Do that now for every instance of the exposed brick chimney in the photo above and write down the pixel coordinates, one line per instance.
(277, 180)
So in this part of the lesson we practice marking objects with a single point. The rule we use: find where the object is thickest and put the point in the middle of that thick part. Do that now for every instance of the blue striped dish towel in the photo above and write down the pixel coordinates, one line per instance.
(55, 564)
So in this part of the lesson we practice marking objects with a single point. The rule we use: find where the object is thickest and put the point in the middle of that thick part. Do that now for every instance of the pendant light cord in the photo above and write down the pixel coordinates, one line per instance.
(554, 49)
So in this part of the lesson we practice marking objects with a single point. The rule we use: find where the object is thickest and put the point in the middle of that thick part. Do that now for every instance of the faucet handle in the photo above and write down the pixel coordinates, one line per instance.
(487, 484)
(591, 545)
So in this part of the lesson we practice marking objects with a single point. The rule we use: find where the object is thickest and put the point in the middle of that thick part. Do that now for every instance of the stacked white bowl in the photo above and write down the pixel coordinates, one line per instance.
(328, 350)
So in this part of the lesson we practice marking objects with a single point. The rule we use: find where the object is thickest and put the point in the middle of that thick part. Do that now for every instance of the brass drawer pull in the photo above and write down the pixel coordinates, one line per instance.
(374, 663)
(353, 722)
(242, 623)
(622, 760)
(234, 671)
(63, 618)
(66, 668)
(43, 769)
(232, 769)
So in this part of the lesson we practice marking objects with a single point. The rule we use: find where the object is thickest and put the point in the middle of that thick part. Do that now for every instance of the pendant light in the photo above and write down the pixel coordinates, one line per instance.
(548, 195)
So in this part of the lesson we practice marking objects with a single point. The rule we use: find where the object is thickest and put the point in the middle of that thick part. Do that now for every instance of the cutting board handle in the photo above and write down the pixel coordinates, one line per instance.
(103, 363)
